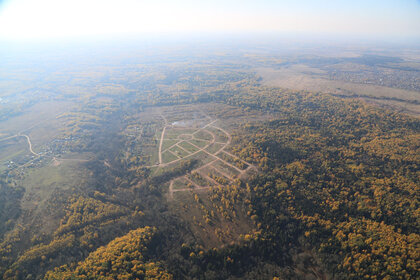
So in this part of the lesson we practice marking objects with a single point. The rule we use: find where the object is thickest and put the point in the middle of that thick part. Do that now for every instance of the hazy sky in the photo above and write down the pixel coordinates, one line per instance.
(27, 19)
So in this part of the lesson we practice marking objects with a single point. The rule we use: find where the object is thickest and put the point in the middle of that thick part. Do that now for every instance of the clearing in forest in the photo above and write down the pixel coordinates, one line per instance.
(203, 138)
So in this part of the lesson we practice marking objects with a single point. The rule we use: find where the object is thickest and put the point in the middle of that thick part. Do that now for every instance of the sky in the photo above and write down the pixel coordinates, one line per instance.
(49, 19)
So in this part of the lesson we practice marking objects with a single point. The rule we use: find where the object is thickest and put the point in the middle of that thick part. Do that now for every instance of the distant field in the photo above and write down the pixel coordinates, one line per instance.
(39, 116)
(15, 149)
(301, 77)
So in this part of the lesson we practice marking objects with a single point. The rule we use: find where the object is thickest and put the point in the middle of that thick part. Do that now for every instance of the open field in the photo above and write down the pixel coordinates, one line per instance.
(41, 182)
(168, 157)
(167, 143)
(220, 136)
(189, 147)
(200, 143)
(36, 118)
(312, 79)
(179, 151)
(215, 147)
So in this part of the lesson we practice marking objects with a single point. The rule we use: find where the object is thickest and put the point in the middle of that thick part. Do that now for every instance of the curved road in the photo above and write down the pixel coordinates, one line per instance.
(29, 143)
(27, 139)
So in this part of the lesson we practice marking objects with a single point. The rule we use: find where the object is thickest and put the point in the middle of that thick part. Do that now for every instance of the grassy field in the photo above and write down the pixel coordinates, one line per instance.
(215, 147)
(42, 114)
(180, 183)
(219, 135)
(202, 134)
(302, 77)
(199, 143)
(187, 146)
(180, 152)
(168, 157)
(39, 183)
(173, 133)
(154, 159)
(202, 157)
(12, 149)
(168, 143)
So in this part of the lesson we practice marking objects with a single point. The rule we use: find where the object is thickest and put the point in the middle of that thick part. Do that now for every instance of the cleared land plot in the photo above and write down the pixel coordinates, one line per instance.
(173, 133)
(199, 143)
(207, 170)
(168, 143)
(214, 148)
(226, 169)
(168, 157)
(203, 158)
(154, 157)
(232, 160)
(185, 136)
(219, 135)
(187, 146)
(45, 132)
(202, 134)
(180, 152)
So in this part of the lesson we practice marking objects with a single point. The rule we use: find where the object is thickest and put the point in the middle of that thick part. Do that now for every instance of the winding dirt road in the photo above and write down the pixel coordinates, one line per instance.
(29, 143)
(27, 139)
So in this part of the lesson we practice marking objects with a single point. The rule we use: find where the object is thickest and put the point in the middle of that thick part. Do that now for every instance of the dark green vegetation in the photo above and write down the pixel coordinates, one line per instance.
(126, 178)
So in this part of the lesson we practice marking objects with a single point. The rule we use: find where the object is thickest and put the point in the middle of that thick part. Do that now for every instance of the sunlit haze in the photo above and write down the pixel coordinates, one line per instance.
(30, 19)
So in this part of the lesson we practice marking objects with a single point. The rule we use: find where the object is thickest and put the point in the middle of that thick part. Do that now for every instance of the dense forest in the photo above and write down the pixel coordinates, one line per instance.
(343, 177)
